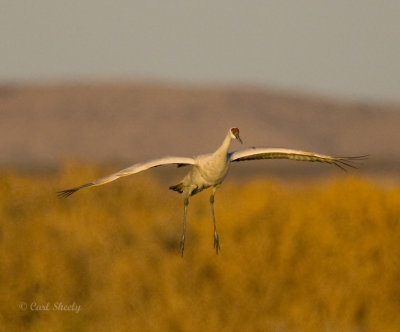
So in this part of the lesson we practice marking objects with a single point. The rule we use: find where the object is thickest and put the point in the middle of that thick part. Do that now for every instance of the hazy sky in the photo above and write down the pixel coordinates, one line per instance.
(342, 47)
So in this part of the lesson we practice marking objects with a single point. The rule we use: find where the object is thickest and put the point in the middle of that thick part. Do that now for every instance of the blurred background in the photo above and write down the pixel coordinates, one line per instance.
(89, 87)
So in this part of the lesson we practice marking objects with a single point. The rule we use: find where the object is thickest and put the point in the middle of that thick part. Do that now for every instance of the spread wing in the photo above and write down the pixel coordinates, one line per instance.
(278, 153)
(136, 168)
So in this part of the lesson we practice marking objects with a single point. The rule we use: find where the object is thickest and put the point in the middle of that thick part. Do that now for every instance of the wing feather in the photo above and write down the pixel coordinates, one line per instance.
(136, 168)
(281, 153)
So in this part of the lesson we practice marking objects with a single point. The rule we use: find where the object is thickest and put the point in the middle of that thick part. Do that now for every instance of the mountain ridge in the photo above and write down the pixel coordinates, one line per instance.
(43, 125)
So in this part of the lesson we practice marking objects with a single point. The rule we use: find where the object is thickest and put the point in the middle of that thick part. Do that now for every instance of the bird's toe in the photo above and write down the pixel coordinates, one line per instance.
(182, 245)
(216, 242)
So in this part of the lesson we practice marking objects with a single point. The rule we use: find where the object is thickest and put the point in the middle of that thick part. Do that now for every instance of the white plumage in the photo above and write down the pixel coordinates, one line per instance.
(210, 170)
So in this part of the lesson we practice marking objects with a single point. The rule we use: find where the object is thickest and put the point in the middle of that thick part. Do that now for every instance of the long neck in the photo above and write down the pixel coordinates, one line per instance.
(223, 149)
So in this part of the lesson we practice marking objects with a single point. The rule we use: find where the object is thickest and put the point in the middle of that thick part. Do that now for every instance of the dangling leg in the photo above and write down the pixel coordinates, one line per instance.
(185, 205)
(216, 237)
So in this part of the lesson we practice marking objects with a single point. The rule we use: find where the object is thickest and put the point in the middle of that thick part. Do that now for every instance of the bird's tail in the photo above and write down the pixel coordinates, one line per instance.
(178, 187)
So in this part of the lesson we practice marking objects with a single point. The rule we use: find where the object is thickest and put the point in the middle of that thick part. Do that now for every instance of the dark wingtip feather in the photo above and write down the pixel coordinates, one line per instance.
(68, 192)
(337, 163)
(341, 162)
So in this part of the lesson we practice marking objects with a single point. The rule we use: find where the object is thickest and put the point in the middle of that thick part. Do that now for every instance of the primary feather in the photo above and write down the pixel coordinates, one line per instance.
(136, 168)
(281, 153)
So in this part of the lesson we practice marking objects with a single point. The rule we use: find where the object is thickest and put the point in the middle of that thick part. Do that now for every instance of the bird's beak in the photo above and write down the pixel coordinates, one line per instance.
(238, 138)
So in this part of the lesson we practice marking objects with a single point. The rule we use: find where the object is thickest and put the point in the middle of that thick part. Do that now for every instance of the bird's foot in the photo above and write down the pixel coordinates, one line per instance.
(216, 242)
(182, 245)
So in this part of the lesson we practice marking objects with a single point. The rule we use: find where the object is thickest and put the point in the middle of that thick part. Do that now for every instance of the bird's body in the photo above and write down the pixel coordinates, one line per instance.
(207, 170)
(210, 170)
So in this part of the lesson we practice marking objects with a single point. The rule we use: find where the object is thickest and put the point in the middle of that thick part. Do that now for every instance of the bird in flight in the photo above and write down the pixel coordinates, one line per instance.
(210, 170)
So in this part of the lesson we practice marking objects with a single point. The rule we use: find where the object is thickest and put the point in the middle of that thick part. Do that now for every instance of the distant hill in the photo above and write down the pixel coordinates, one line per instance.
(44, 125)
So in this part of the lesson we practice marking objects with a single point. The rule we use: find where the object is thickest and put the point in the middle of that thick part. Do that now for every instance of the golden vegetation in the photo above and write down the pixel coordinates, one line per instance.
(309, 257)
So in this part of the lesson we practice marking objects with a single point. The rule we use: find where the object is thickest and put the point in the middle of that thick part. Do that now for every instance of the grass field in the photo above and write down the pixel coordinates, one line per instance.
(304, 257)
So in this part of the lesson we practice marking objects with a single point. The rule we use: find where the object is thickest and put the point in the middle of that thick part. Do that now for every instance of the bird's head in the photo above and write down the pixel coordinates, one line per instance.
(235, 134)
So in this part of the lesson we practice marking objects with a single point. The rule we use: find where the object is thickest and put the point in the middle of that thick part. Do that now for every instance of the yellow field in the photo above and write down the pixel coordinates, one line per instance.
(304, 257)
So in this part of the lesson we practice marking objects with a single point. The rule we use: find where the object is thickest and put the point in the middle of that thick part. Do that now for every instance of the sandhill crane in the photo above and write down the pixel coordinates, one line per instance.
(209, 170)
